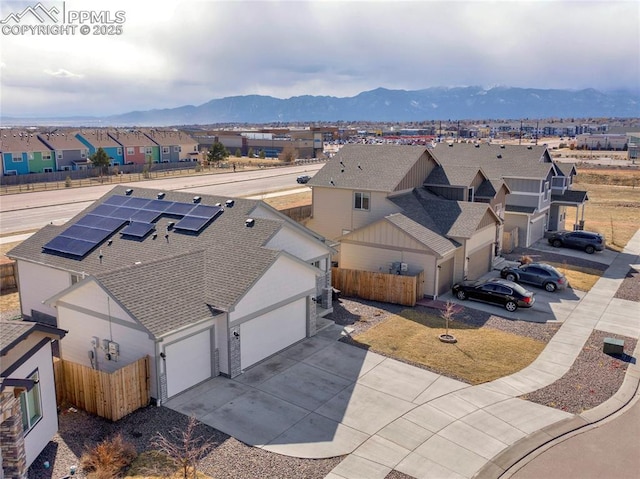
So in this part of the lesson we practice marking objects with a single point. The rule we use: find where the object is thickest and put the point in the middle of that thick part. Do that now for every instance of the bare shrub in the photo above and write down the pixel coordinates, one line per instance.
(107, 459)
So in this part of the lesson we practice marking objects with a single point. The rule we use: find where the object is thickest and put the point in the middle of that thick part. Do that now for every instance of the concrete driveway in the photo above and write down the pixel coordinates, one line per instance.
(319, 398)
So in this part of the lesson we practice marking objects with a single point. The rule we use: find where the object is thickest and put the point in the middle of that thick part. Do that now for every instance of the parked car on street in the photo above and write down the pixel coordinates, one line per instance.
(303, 179)
(539, 274)
(584, 240)
(497, 291)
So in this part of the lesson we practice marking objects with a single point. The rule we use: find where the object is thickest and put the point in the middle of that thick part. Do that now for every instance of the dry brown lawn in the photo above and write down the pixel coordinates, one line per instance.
(613, 211)
(289, 201)
(480, 355)
(579, 278)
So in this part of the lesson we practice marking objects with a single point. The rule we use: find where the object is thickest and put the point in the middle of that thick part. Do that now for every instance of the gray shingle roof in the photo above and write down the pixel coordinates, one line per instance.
(12, 332)
(515, 161)
(381, 167)
(570, 196)
(455, 175)
(170, 281)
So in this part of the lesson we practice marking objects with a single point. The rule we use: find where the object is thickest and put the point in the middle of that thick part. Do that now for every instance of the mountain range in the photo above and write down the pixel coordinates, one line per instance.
(384, 105)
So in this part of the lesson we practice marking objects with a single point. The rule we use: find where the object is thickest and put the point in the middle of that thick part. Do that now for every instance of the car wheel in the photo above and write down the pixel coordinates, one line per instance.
(511, 306)
(556, 243)
(510, 277)
(461, 295)
(551, 287)
(589, 249)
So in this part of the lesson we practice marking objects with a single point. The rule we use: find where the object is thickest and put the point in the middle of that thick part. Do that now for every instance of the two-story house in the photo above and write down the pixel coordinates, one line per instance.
(203, 285)
(137, 148)
(23, 152)
(174, 146)
(99, 138)
(529, 172)
(371, 200)
(70, 153)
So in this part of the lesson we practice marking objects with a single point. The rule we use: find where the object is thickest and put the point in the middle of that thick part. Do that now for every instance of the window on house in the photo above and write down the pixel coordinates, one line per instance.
(17, 158)
(83, 153)
(75, 278)
(46, 156)
(30, 404)
(470, 195)
(148, 150)
(361, 201)
(120, 151)
(176, 149)
(195, 148)
(130, 150)
(59, 155)
(142, 149)
(546, 190)
(165, 150)
(48, 170)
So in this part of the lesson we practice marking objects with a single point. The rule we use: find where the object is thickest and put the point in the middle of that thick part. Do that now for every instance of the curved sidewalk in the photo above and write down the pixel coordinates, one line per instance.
(482, 431)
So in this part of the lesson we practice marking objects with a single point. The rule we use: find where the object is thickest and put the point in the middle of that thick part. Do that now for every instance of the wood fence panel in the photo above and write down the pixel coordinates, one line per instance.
(8, 275)
(387, 288)
(108, 395)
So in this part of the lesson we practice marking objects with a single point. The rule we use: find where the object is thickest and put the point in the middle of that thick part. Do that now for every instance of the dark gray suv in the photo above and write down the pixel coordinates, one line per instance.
(584, 240)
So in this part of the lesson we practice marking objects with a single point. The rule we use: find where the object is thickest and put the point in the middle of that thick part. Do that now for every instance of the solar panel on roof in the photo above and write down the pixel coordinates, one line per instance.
(191, 223)
(104, 210)
(138, 229)
(138, 203)
(74, 247)
(123, 213)
(145, 216)
(158, 205)
(179, 209)
(116, 200)
(204, 211)
(90, 220)
(85, 233)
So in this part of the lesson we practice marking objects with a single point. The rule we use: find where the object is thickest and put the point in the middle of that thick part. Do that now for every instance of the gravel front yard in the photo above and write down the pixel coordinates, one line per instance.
(593, 378)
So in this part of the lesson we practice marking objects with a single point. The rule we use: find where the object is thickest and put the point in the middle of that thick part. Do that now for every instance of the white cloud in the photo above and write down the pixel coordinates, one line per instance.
(188, 52)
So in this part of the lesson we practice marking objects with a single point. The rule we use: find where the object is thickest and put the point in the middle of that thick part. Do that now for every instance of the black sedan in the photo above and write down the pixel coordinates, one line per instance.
(497, 291)
(539, 274)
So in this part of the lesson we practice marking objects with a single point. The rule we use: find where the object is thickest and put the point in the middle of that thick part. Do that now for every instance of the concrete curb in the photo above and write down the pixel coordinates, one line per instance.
(509, 461)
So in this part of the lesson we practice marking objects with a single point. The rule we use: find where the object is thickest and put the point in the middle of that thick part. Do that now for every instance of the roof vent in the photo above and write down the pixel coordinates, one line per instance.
(333, 183)
(498, 156)
(529, 147)
(218, 204)
(502, 146)
(170, 225)
(450, 145)
(249, 222)
(229, 203)
(128, 191)
(197, 199)
(477, 145)
(160, 196)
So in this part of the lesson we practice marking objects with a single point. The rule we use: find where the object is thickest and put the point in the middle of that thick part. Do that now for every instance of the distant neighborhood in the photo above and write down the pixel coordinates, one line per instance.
(27, 151)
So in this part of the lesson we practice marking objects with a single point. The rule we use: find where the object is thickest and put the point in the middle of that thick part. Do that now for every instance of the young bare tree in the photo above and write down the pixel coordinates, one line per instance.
(288, 154)
(185, 447)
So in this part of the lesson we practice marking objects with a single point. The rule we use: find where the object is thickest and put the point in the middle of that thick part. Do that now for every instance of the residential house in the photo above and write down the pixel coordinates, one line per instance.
(99, 138)
(138, 149)
(70, 153)
(29, 416)
(23, 153)
(174, 146)
(371, 199)
(203, 285)
(531, 176)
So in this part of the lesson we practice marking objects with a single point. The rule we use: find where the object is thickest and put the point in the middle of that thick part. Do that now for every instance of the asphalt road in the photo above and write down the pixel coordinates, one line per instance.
(31, 211)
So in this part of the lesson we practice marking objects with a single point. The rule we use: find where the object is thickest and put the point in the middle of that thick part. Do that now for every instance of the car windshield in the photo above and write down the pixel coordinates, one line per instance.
(519, 289)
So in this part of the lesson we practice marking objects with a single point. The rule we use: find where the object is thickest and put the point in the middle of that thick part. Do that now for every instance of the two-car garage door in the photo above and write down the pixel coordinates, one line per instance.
(273, 331)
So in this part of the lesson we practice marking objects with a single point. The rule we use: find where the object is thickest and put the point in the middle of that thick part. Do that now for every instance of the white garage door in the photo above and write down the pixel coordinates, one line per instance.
(479, 262)
(272, 332)
(188, 362)
(536, 230)
(445, 276)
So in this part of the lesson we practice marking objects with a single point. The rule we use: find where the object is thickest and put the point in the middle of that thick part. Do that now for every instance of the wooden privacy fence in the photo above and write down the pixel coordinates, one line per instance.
(388, 288)
(8, 275)
(108, 395)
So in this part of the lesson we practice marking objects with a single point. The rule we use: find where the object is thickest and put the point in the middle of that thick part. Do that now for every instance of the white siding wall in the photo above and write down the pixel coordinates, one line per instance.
(37, 283)
(481, 238)
(85, 323)
(512, 220)
(296, 243)
(285, 279)
(39, 436)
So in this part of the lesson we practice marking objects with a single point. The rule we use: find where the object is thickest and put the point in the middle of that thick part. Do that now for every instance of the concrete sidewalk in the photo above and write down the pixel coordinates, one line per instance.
(482, 431)
(323, 398)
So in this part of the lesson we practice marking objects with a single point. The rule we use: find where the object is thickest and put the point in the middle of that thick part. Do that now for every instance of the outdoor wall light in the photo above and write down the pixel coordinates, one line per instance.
(236, 334)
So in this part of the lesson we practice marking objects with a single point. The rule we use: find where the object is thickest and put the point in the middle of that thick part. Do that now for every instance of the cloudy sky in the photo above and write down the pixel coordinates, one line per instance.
(175, 53)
